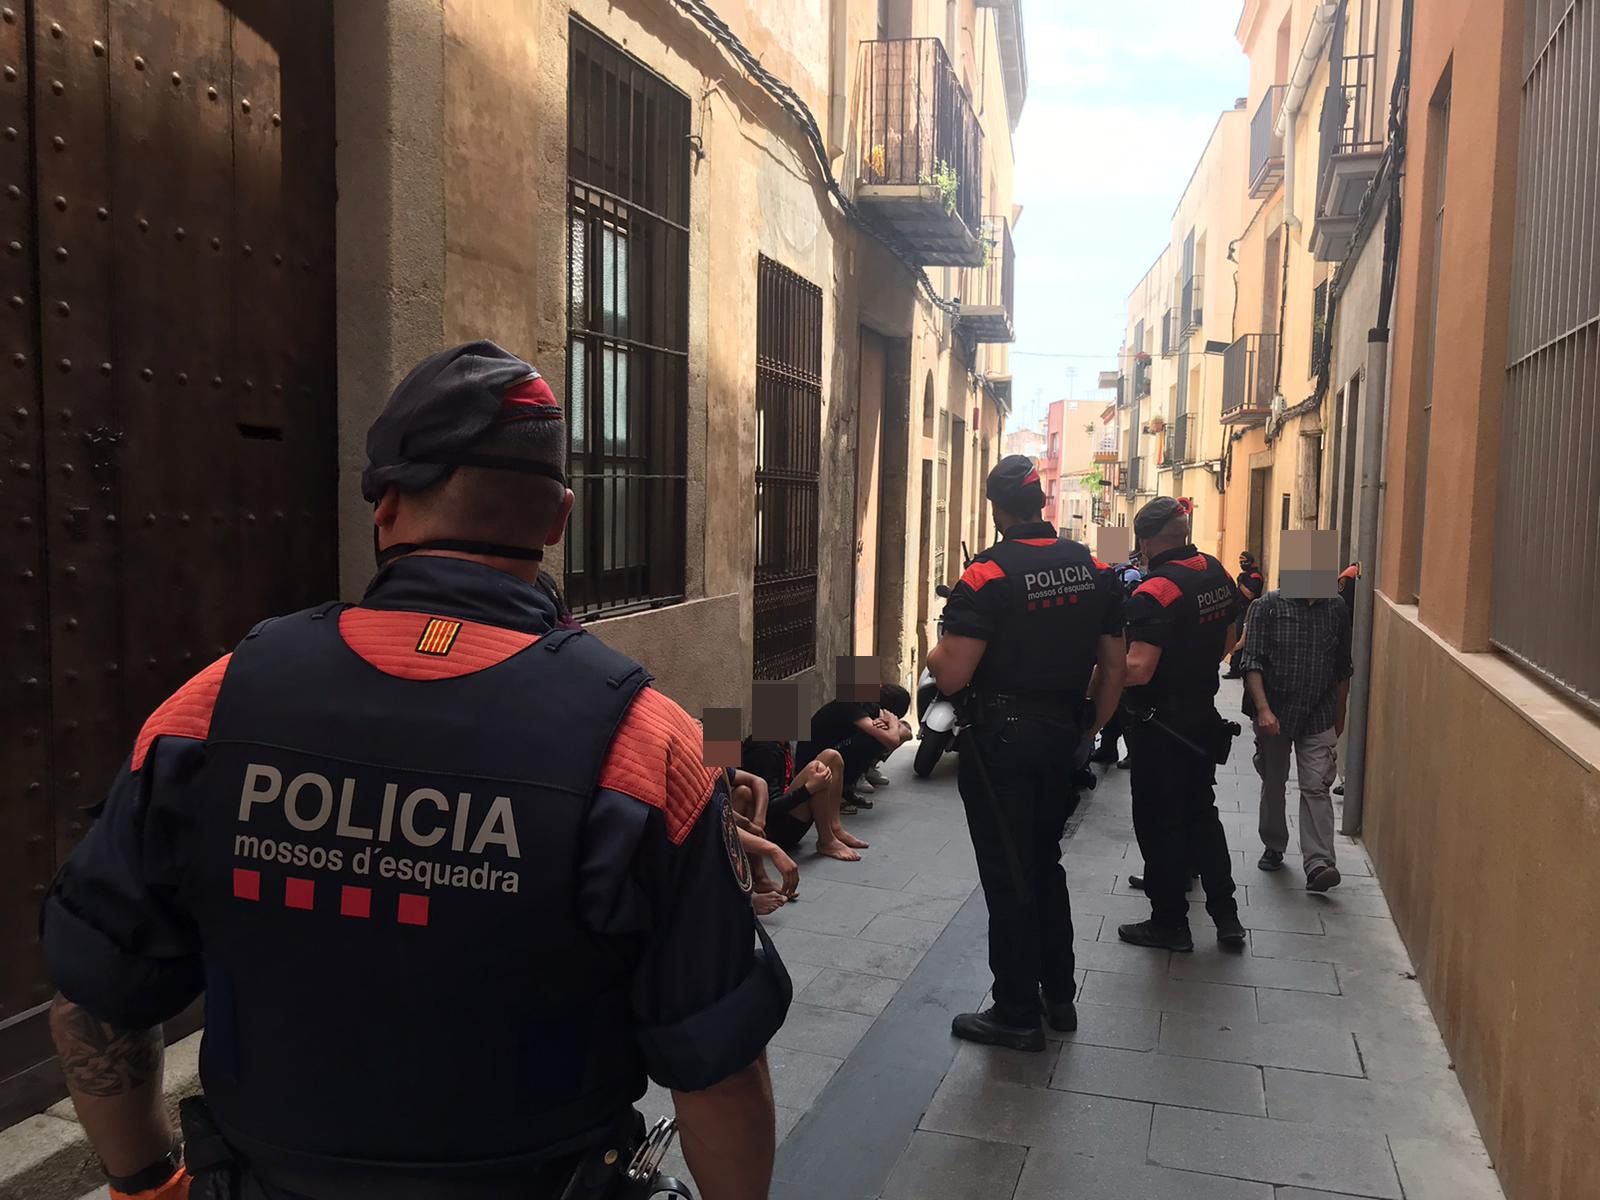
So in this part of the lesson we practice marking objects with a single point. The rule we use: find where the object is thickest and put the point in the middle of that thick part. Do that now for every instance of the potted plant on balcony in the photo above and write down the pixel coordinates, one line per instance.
(1142, 358)
(947, 181)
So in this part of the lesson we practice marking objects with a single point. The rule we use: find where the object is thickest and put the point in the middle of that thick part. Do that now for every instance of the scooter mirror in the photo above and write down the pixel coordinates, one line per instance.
(942, 590)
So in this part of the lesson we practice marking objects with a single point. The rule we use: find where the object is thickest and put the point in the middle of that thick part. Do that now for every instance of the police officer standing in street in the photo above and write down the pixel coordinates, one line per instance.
(1180, 622)
(1026, 627)
(452, 880)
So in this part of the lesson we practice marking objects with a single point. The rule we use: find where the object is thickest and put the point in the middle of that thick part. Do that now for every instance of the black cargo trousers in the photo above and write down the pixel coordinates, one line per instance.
(1029, 795)
(1175, 814)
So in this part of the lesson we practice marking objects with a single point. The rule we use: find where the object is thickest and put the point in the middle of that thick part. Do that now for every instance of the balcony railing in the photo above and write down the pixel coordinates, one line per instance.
(1266, 144)
(1130, 477)
(1191, 311)
(1141, 376)
(1169, 333)
(1351, 144)
(921, 151)
(1106, 450)
(987, 312)
(1249, 368)
(1183, 438)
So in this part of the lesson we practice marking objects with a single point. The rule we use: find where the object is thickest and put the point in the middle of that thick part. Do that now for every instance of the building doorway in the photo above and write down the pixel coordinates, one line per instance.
(872, 381)
(1256, 531)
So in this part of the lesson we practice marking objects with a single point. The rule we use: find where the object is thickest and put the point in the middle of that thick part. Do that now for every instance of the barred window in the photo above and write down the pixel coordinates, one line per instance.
(1547, 529)
(628, 343)
(788, 461)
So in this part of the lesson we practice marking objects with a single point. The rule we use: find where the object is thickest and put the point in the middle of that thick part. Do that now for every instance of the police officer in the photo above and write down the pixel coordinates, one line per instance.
(452, 881)
(1026, 626)
(1180, 622)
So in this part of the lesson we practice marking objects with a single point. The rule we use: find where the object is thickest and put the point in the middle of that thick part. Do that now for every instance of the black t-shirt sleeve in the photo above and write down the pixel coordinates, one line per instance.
(1152, 611)
(1115, 617)
(117, 939)
(977, 601)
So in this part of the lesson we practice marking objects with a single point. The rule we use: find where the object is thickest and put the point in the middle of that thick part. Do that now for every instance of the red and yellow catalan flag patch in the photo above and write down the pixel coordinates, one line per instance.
(438, 635)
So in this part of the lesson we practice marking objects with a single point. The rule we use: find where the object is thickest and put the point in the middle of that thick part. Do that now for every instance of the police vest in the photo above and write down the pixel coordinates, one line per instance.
(1044, 645)
(385, 889)
(1204, 602)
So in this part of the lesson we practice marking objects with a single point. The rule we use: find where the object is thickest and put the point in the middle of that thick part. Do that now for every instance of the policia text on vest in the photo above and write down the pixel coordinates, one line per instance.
(415, 816)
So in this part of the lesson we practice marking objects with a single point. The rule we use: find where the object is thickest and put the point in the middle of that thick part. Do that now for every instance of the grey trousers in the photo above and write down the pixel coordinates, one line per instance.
(1316, 761)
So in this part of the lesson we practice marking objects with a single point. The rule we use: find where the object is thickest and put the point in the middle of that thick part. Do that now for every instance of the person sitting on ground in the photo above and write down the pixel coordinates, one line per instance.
(893, 704)
(747, 793)
(863, 733)
(794, 805)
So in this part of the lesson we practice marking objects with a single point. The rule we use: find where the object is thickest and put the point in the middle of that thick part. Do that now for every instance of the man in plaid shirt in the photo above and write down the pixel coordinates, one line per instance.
(1296, 664)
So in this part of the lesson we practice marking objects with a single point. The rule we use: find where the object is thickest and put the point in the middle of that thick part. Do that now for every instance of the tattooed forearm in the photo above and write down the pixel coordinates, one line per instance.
(100, 1059)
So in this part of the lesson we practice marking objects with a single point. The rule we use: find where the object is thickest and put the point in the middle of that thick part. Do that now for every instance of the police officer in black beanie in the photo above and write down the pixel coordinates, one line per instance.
(1181, 621)
(1025, 628)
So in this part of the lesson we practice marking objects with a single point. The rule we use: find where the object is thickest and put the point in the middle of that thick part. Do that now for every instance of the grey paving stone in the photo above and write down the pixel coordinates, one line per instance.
(1103, 1025)
(1216, 966)
(849, 954)
(1330, 947)
(850, 991)
(788, 1118)
(1355, 903)
(800, 973)
(1435, 1170)
(976, 1065)
(798, 1076)
(1294, 1193)
(1302, 1046)
(1404, 1110)
(901, 931)
(1273, 1152)
(1407, 1020)
(943, 884)
(829, 1031)
(878, 867)
(937, 1164)
(1295, 916)
(1394, 1056)
(1120, 957)
(1052, 1173)
(940, 910)
(1170, 995)
(1042, 1117)
(1160, 1079)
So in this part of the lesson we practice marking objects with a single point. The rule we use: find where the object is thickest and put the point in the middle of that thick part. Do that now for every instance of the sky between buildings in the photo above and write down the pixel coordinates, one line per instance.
(1121, 98)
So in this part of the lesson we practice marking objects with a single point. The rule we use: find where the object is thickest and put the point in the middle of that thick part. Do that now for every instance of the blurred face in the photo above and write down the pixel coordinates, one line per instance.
(1244, 561)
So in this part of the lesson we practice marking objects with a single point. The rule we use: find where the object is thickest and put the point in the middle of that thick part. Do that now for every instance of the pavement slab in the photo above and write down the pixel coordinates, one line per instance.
(1273, 1152)
(1160, 1079)
(938, 1164)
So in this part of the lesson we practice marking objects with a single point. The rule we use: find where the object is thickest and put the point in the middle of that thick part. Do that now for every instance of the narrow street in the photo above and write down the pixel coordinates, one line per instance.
(1310, 1065)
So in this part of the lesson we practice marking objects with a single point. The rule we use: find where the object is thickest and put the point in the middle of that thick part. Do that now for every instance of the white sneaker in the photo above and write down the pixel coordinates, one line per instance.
(875, 777)
(863, 787)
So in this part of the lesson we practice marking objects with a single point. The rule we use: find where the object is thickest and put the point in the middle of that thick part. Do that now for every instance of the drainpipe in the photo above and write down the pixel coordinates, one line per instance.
(1372, 403)
(1299, 83)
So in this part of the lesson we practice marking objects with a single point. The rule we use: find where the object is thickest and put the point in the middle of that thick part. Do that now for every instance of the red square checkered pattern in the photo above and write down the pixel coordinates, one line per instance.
(412, 910)
(246, 884)
(355, 901)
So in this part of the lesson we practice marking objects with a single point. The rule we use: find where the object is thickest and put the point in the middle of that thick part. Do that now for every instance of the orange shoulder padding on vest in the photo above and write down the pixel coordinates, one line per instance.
(1160, 589)
(1194, 563)
(186, 713)
(658, 758)
(413, 645)
(980, 573)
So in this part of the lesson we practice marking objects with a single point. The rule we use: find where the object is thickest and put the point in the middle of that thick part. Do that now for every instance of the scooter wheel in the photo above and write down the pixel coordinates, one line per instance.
(929, 751)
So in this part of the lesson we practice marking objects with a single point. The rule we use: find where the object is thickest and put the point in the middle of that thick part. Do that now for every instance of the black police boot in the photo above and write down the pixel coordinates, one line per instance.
(1060, 1015)
(1157, 937)
(1230, 934)
(991, 1029)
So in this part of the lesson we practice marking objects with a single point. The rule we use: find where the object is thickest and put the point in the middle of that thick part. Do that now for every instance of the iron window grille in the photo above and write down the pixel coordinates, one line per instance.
(788, 469)
(1546, 525)
(628, 323)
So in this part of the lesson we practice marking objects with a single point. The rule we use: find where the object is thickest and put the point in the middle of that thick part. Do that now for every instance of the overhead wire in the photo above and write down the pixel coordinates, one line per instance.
(790, 100)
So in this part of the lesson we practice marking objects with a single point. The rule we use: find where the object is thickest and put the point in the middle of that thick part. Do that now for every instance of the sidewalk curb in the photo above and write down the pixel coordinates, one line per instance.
(47, 1157)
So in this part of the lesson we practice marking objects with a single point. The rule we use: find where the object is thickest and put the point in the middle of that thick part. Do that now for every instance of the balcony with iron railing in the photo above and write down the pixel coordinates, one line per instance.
(1130, 477)
(1249, 369)
(1105, 450)
(989, 292)
(1141, 376)
(1266, 144)
(920, 151)
(1169, 333)
(1352, 133)
(1191, 311)
(1183, 438)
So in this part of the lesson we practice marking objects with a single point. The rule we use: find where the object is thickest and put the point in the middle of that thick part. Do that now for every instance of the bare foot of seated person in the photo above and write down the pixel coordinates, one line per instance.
(823, 780)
